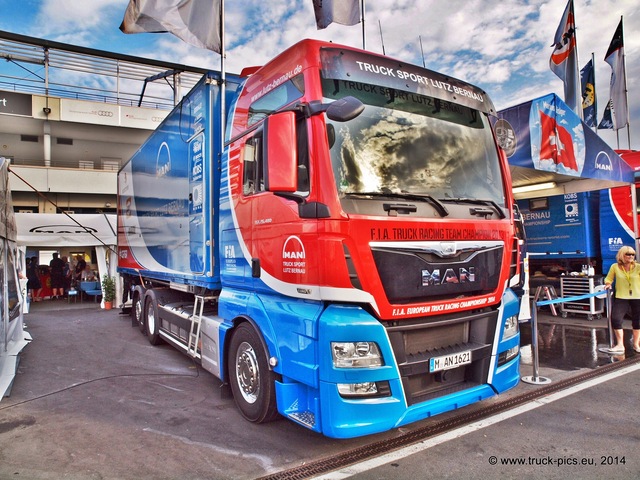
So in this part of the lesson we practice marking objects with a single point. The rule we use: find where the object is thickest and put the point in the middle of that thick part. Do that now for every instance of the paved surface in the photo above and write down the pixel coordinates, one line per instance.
(591, 434)
(94, 400)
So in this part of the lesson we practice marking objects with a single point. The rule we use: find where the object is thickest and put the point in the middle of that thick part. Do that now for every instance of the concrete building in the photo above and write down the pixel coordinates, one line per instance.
(71, 116)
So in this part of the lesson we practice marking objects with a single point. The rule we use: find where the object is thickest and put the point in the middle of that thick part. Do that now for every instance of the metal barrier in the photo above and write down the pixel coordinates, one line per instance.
(600, 292)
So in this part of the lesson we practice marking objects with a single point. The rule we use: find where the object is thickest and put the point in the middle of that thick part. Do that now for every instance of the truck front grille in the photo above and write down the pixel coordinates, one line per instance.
(417, 341)
(428, 271)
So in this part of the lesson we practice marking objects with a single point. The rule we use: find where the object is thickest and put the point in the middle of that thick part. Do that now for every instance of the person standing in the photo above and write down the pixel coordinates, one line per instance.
(80, 266)
(34, 286)
(625, 274)
(66, 271)
(57, 276)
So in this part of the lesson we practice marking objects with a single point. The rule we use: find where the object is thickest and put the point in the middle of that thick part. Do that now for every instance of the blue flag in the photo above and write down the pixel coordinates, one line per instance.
(607, 121)
(589, 104)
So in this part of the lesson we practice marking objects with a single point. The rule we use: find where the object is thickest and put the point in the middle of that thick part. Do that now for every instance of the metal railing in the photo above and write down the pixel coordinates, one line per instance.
(535, 378)
(38, 66)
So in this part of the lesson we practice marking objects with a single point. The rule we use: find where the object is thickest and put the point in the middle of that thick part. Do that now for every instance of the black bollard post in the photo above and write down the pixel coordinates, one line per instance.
(535, 379)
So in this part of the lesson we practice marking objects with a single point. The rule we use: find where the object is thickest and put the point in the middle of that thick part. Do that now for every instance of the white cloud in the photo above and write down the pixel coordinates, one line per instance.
(502, 46)
(68, 18)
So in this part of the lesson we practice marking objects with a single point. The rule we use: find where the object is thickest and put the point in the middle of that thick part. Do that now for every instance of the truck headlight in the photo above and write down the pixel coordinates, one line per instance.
(355, 354)
(510, 327)
(364, 390)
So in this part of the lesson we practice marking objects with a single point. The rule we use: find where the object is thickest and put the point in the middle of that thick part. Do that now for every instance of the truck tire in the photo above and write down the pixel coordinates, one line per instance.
(137, 310)
(252, 382)
(152, 318)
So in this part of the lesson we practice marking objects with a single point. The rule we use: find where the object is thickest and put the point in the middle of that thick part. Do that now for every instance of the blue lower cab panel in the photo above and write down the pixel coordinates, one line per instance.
(407, 391)
(345, 418)
(507, 376)
(352, 418)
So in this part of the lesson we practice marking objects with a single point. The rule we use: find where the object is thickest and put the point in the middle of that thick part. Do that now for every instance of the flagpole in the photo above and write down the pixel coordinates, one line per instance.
(577, 65)
(223, 80)
(364, 42)
(626, 92)
(595, 95)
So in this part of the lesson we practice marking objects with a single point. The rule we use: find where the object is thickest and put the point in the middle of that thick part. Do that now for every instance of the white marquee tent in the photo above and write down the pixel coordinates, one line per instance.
(13, 337)
(86, 230)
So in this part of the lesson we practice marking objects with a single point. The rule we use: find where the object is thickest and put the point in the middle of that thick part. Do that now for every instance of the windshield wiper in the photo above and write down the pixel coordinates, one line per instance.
(440, 208)
(477, 201)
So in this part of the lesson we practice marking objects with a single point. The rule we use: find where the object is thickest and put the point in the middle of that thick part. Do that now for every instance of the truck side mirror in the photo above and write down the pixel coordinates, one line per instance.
(345, 109)
(281, 152)
(341, 110)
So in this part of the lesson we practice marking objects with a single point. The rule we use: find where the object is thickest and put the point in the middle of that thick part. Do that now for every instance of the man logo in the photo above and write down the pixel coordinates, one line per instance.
(163, 160)
(603, 162)
(63, 229)
(293, 249)
(506, 137)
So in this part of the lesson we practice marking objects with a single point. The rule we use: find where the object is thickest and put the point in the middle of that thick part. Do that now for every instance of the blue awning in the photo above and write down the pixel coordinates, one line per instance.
(545, 141)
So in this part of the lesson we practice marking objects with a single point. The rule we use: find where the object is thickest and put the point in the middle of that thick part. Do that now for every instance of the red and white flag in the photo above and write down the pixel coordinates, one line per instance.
(618, 86)
(197, 22)
(345, 12)
(564, 59)
(556, 143)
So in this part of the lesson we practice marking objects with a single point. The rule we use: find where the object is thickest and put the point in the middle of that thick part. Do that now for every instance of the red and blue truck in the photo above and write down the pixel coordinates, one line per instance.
(344, 256)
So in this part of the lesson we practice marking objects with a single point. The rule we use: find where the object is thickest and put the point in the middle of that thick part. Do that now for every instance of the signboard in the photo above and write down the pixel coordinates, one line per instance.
(12, 103)
(89, 112)
(563, 225)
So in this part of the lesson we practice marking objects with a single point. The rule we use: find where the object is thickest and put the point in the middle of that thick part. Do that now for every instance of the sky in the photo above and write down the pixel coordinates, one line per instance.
(502, 46)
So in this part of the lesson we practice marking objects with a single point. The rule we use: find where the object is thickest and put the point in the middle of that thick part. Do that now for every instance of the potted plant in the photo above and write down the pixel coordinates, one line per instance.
(108, 291)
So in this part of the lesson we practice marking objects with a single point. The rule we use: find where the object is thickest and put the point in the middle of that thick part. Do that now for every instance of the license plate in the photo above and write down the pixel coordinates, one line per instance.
(447, 362)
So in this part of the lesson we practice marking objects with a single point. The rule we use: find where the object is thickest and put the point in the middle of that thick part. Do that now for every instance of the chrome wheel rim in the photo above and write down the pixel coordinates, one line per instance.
(248, 372)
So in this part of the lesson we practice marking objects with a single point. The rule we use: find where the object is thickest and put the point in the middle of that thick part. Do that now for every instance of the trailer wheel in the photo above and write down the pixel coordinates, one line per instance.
(252, 382)
(151, 318)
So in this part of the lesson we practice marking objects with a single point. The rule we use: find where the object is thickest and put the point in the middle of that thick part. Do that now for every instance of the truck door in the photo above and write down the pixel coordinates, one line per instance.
(278, 235)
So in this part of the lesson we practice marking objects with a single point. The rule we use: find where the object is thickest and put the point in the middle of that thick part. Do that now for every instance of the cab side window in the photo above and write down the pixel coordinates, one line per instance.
(253, 165)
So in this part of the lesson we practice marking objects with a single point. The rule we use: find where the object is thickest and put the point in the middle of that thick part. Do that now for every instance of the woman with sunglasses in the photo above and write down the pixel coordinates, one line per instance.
(625, 273)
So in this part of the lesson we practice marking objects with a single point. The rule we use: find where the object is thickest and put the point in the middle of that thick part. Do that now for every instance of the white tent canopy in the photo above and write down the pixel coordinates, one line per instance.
(81, 230)
(13, 337)
(57, 230)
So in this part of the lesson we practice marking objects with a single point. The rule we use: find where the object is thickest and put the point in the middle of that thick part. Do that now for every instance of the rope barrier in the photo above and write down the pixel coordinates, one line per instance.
(536, 379)
(542, 303)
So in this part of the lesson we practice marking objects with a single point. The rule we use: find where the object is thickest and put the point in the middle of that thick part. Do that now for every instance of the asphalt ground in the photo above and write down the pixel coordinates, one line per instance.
(92, 399)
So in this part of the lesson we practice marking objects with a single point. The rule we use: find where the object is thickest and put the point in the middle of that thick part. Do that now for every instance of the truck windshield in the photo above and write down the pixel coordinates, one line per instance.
(407, 143)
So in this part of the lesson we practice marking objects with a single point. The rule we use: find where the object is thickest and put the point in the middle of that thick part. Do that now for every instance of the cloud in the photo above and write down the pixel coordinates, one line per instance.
(68, 18)
(501, 46)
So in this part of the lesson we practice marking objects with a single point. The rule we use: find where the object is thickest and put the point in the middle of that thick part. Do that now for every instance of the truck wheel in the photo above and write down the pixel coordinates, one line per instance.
(252, 382)
(137, 310)
(151, 318)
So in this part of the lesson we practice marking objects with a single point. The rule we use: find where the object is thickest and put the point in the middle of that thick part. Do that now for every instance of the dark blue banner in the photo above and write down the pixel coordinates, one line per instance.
(545, 134)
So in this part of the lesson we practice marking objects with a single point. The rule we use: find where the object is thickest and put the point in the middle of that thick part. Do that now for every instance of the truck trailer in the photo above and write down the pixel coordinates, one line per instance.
(343, 254)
